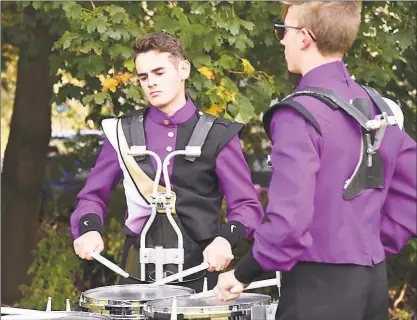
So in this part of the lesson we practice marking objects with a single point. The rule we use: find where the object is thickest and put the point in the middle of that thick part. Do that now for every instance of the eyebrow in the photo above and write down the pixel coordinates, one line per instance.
(154, 70)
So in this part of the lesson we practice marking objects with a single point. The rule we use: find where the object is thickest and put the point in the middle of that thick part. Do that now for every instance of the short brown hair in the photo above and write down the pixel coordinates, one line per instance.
(335, 25)
(161, 42)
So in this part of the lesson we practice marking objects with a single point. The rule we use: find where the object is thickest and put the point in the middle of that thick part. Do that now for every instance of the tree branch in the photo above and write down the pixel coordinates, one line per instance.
(401, 296)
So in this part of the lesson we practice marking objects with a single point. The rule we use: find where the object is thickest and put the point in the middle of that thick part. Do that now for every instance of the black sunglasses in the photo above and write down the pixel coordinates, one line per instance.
(280, 31)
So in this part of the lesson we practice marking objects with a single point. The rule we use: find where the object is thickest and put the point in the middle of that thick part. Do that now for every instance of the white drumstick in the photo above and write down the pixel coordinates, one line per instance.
(182, 274)
(253, 285)
(109, 264)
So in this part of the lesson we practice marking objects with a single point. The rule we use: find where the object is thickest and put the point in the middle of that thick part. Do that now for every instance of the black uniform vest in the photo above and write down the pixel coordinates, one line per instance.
(195, 182)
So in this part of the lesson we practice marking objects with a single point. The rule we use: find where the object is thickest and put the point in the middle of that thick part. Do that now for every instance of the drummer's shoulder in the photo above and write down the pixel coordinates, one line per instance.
(220, 121)
(133, 113)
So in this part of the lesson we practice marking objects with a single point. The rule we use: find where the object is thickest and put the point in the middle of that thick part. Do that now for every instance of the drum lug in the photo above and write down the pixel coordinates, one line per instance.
(257, 312)
(271, 310)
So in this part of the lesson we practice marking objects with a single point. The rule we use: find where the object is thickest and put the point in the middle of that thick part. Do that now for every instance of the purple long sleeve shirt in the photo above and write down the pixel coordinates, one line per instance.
(309, 220)
(161, 134)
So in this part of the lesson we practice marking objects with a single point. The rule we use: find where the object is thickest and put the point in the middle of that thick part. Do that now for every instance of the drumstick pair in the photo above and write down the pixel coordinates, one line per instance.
(190, 271)
(126, 275)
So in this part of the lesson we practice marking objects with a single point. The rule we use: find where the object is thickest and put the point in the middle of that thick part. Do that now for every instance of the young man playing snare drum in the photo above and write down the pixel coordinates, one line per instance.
(199, 184)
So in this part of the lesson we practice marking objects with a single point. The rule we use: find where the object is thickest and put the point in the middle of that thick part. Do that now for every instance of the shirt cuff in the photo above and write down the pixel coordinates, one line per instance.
(233, 231)
(90, 222)
(248, 269)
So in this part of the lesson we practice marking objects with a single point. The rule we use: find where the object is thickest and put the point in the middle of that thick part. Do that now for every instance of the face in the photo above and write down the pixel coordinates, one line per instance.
(294, 41)
(161, 80)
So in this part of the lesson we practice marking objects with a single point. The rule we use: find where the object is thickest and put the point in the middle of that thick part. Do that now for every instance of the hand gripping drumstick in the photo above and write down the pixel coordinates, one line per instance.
(113, 266)
(253, 285)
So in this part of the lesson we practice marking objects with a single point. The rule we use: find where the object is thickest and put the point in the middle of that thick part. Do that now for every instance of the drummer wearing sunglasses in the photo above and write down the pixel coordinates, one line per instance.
(331, 246)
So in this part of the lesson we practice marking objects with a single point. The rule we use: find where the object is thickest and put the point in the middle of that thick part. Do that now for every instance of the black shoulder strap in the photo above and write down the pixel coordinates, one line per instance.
(291, 104)
(378, 100)
(201, 130)
(332, 99)
(137, 131)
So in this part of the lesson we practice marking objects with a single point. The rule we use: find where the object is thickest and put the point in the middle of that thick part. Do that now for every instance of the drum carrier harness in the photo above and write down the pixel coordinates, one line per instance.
(369, 171)
(163, 240)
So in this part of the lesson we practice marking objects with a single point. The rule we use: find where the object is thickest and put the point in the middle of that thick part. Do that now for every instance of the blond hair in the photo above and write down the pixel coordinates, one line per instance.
(335, 25)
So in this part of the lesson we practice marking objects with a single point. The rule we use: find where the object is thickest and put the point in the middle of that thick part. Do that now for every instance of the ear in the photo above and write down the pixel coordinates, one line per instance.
(184, 68)
(306, 41)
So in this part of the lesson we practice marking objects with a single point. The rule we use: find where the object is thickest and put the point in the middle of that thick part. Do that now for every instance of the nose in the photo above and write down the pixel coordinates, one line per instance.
(151, 81)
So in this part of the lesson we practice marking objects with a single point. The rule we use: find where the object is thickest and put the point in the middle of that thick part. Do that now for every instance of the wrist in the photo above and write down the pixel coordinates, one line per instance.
(248, 269)
(233, 232)
(90, 222)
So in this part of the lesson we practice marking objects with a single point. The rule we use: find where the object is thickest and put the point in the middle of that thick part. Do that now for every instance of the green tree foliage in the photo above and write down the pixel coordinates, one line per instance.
(238, 65)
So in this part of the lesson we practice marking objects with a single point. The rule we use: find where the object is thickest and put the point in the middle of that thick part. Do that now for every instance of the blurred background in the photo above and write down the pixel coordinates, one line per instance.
(66, 65)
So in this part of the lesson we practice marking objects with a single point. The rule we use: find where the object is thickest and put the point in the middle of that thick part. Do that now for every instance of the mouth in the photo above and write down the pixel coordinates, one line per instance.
(155, 93)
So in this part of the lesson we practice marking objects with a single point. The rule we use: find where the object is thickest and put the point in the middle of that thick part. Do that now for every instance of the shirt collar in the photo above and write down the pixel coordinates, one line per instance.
(179, 117)
(335, 70)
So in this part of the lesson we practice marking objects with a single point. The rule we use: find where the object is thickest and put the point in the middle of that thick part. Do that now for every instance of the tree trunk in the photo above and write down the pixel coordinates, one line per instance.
(24, 162)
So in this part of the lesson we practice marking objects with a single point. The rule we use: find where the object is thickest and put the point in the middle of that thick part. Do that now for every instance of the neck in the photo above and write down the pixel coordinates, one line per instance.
(315, 60)
(172, 107)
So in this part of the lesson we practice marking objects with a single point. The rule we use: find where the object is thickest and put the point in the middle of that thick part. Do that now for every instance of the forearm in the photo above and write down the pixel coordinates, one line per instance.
(91, 209)
(244, 211)
(279, 241)
(399, 213)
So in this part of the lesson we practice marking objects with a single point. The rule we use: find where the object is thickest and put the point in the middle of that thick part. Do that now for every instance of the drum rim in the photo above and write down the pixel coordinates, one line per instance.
(95, 304)
(211, 311)
(58, 313)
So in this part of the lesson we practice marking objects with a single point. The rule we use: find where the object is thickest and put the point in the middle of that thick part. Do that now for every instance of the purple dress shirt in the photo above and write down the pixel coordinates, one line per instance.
(308, 218)
(161, 133)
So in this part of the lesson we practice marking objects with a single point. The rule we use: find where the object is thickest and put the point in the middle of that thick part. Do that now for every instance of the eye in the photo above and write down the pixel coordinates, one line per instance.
(143, 78)
(159, 73)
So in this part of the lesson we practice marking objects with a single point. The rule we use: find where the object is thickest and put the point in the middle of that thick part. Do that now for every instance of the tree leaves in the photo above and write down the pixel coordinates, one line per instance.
(98, 24)
(231, 44)
(247, 67)
(205, 71)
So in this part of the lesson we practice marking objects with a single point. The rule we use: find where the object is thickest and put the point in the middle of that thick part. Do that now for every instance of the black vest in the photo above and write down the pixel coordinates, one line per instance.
(195, 183)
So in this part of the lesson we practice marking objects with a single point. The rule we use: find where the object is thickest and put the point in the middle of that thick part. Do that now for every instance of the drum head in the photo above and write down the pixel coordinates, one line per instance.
(67, 315)
(130, 294)
(207, 307)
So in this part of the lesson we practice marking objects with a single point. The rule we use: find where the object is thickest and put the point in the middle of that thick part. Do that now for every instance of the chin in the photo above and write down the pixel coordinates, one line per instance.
(158, 102)
(292, 69)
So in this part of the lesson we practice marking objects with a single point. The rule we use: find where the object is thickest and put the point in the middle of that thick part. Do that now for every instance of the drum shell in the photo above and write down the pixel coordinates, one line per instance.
(208, 308)
(127, 301)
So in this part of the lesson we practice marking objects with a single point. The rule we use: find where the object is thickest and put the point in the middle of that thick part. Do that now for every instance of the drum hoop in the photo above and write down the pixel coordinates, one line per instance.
(58, 314)
(210, 311)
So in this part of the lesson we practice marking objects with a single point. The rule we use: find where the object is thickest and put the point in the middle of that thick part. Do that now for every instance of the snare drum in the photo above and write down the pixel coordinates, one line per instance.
(127, 301)
(65, 315)
(209, 308)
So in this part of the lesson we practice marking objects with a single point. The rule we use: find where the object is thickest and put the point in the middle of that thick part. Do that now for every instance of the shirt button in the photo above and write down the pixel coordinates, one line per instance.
(169, 149)
(170, 134)
(166, 122)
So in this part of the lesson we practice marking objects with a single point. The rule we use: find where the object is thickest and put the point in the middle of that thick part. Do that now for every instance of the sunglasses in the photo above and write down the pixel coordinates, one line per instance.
(281, 28)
